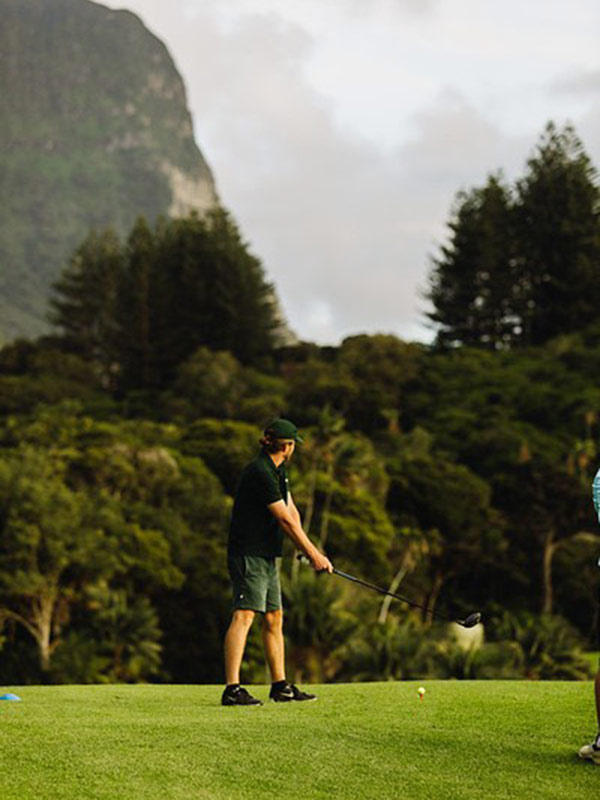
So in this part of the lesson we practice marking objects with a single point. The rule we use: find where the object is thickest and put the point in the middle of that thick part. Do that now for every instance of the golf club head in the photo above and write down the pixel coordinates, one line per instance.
(472, 620)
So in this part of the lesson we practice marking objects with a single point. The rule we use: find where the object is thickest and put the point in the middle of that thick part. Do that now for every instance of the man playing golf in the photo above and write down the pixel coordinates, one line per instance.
(263, 510)
(592, 751)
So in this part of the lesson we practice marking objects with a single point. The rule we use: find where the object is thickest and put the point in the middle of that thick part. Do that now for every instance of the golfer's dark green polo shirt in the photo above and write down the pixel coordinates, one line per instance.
(254, 531)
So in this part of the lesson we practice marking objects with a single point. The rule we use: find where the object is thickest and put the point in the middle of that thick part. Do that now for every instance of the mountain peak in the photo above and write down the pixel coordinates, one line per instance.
(95, 132)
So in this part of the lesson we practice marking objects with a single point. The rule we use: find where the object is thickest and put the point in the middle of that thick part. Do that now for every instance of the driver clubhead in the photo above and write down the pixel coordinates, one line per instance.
(472, 620)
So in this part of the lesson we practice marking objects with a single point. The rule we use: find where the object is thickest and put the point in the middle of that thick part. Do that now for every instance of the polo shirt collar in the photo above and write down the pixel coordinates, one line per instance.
(271, 463)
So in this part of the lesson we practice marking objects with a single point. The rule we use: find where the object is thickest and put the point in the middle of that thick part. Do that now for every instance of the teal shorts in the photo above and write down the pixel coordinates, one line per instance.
(255, 583)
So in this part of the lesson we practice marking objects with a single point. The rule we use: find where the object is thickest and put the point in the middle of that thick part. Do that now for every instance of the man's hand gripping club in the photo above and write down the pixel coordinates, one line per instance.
(288, 518)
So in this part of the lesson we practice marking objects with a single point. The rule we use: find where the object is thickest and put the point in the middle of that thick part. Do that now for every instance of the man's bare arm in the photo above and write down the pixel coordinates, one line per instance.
(290, 522)
(293, 509)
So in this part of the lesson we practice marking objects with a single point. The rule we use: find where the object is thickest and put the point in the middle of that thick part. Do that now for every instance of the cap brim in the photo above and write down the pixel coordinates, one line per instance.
(299, 439)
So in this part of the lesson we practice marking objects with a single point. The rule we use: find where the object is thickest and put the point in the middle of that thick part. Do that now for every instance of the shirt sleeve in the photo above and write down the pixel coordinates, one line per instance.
(596, 493)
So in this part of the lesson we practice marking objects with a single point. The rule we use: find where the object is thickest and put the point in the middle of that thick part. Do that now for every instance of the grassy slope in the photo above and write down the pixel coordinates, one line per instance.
(465, 740)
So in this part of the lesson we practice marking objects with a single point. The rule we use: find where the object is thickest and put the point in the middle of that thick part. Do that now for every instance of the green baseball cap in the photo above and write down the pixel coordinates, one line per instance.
(283, 429)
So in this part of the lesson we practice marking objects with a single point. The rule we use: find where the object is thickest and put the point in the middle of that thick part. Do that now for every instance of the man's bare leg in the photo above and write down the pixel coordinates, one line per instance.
(272, 635)
(235, 643)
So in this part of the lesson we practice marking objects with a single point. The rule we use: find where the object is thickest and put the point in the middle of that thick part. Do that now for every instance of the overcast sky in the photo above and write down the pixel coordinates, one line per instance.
(339, 131)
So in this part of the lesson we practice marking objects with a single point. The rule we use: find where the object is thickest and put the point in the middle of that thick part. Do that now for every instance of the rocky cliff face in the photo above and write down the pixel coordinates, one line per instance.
(94, 131)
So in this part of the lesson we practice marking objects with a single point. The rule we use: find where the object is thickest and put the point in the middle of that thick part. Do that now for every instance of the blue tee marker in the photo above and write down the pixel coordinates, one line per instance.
(10, 696)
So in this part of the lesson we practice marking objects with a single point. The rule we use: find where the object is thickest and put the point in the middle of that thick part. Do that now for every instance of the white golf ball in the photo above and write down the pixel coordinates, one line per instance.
(421, 690)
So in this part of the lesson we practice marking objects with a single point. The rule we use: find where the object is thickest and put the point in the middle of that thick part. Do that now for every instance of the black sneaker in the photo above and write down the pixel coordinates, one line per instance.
(289, 692)
(238, 696)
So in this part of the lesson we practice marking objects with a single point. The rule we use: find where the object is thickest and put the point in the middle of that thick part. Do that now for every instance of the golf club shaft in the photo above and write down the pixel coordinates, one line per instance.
(391, 594)
(372, 586)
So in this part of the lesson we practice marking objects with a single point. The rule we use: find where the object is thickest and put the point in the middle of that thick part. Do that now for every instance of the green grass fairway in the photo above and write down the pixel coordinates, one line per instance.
(376, 741)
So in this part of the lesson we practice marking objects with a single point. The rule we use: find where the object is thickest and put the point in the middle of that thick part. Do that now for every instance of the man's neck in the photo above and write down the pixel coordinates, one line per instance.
(277, 458)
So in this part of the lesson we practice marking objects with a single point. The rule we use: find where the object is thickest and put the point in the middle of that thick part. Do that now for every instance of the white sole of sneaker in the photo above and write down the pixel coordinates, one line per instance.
(592, 759)
(288, 702)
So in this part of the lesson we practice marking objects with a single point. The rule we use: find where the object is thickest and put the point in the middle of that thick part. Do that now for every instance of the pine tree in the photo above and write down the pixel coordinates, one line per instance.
(136, 309)
(141, 310)
(557, 215)
(215, 293)
(523, 263)
(471, 283)
(84, 306)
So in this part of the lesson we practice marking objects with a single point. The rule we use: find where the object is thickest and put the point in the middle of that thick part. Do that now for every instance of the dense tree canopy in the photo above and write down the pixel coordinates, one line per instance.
(140, 309)
(474, 284)
(522, 264)
(458, 475)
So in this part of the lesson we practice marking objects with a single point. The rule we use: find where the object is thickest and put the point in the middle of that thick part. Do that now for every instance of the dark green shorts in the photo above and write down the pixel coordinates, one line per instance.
(255, 583)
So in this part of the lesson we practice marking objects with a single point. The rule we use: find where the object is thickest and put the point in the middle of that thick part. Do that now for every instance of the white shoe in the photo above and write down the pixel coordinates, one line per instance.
(591, 752)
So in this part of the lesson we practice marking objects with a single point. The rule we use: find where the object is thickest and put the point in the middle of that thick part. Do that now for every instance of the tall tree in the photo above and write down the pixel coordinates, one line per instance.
(471, 285)
(452, 507)
(141, 310)
(547, 509)
(137, 307)
(48, 540)
(84, 306)
(523, 263)
(209, 290)
(557, 228)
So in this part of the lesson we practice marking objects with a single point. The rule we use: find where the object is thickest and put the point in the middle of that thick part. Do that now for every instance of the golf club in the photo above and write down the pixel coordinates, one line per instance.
(469, 622)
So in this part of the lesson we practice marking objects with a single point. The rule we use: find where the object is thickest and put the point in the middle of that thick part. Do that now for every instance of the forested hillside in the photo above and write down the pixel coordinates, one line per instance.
(457, 473)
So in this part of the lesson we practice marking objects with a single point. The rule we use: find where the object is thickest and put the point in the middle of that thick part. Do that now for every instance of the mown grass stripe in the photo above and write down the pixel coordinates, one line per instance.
(501, 740)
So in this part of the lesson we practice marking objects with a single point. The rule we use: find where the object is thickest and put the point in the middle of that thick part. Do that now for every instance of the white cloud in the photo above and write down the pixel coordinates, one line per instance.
(578, 82)
(340, 131)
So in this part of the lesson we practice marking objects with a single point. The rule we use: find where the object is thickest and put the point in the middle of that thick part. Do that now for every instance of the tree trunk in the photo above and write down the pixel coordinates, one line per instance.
(396, 581)
(43, 612)
(436, 588)
(547, 590)
(38, 620)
